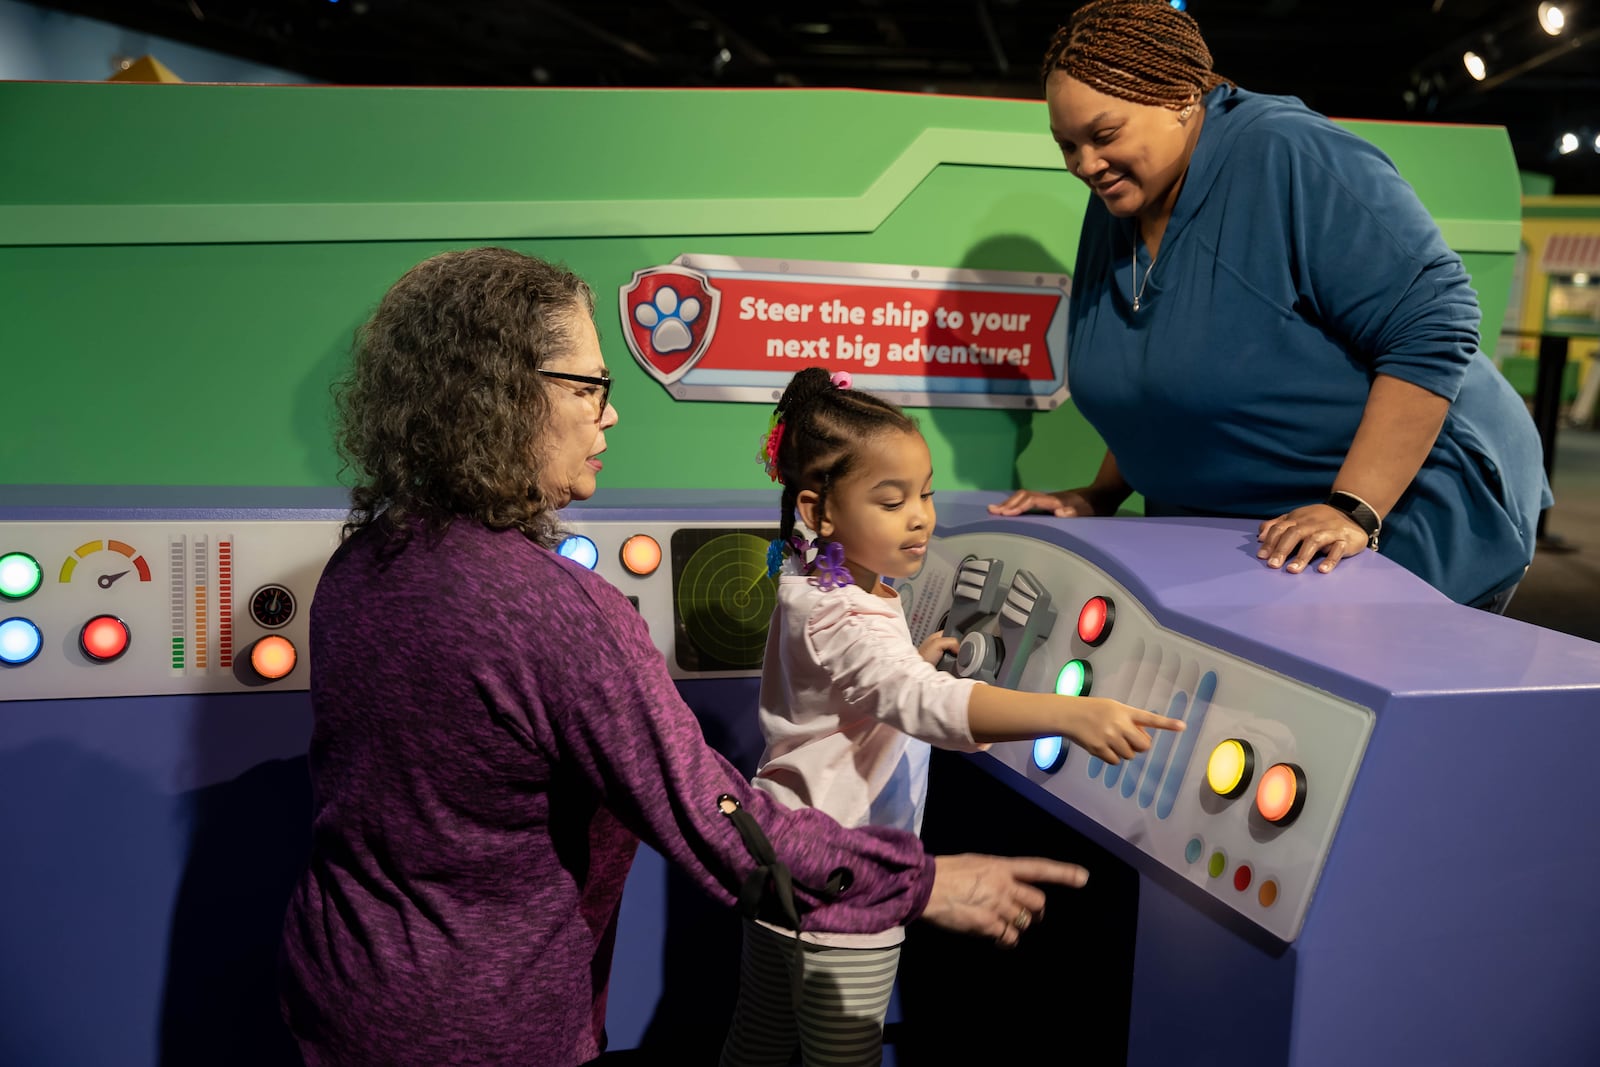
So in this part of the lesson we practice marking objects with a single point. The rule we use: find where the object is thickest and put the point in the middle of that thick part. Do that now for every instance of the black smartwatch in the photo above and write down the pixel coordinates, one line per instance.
(1359, 512)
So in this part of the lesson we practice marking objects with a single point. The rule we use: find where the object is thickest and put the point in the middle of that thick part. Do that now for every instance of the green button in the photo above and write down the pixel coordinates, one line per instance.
(20, 575)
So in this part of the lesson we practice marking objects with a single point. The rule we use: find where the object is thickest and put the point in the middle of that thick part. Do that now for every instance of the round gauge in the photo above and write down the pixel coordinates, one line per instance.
(272, 606)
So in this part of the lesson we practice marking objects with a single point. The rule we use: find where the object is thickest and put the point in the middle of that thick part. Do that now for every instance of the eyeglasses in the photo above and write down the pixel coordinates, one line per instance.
(603, 382)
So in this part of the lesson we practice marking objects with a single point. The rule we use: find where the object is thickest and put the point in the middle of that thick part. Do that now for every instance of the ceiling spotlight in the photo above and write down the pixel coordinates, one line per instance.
(1597, 142)
(1475, 65)
(1568, 144)
(1552, 19)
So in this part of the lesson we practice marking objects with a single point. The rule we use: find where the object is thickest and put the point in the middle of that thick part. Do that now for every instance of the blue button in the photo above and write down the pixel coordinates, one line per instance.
(580, 550)
(1049, 753)
(20, 641)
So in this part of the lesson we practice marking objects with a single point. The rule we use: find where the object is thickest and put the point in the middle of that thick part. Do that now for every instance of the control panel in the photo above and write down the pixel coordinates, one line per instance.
(137, 607)
(130, 608)
(1243, 804)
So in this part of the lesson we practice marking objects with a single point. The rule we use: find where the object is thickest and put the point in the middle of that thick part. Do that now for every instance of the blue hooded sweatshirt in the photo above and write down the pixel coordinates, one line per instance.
(1297, 265)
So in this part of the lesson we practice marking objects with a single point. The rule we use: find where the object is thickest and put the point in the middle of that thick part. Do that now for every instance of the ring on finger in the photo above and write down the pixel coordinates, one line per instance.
(1023, 920)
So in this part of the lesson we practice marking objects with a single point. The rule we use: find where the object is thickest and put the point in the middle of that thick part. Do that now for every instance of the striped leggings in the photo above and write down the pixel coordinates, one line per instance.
(845, 995)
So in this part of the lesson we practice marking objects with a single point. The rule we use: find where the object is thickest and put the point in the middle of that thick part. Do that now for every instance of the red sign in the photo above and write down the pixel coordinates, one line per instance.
(736, 329)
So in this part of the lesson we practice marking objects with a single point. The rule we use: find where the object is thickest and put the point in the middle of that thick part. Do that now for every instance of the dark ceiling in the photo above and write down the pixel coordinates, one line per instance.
(1388, 59)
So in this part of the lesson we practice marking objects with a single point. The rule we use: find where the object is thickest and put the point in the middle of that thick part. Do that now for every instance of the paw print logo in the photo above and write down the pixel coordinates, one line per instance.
(670, 320)
(669, 315)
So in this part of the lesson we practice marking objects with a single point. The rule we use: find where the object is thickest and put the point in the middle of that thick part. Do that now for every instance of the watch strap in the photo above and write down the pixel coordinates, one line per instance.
(1359, 512)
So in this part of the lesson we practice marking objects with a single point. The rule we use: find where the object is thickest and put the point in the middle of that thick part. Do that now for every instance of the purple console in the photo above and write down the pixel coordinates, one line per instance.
(1429, 900)
(1420, 895)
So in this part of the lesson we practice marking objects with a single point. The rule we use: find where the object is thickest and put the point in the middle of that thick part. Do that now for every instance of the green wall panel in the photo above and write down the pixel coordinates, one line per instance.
(184, 266)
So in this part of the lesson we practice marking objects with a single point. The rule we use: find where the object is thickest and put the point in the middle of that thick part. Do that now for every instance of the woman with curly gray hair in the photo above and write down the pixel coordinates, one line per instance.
(479, 791)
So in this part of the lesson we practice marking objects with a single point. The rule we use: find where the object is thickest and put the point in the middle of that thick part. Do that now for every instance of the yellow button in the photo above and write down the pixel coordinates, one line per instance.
(1230, 767)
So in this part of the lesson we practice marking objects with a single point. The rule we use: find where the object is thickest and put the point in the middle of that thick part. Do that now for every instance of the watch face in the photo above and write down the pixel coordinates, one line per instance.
(272, 606)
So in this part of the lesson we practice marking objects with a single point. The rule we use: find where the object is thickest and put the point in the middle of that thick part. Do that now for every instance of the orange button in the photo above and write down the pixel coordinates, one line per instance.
(103, 638)
(272, 657)
(1268, 893)
(641, 554)
(1282, 793)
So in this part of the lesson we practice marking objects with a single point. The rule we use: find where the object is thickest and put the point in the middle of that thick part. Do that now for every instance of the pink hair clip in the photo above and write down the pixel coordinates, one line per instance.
(840, 379)
(770, 441)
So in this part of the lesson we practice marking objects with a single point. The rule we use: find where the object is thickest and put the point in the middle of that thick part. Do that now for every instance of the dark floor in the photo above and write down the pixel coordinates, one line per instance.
(1562, 589)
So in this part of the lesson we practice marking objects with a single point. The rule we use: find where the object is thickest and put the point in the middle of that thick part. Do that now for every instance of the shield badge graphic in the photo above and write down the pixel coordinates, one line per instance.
(668, 316)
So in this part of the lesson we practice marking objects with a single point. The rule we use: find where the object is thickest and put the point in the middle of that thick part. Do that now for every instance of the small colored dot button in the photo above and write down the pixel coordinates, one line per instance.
(1194, 849)
(1241, 877)
(1268, 893)
(1218, 864)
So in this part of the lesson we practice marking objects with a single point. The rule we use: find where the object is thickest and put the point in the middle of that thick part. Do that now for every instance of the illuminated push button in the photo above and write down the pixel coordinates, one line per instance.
(1217, 864)
(1281, 794)
(1230, 767)
(1268, 893)
(641, 554)
(1049, 753)
(20, 641)
(580, 550)
(20, 575)
(1241, 877)
(104, 638)
(273, 657)
(1095, 620)
(1075, 679)
(1194, 849)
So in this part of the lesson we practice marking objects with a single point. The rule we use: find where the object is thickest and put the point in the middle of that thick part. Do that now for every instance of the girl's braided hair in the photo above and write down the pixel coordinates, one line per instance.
(1145, 51)
(823, 426)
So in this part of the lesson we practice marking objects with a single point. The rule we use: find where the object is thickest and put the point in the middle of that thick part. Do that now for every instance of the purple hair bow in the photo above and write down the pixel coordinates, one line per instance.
(829, 571)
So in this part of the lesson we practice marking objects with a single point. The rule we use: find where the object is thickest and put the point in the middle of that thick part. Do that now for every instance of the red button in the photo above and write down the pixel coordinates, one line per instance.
(1241, 878)
(104, 638)
(1095, 619)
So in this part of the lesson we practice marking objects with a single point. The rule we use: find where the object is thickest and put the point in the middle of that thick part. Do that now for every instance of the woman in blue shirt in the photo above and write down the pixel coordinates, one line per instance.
(1266, 323)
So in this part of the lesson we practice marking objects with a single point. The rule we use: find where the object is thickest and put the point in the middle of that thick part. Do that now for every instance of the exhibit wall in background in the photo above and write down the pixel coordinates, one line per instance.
(184, 266)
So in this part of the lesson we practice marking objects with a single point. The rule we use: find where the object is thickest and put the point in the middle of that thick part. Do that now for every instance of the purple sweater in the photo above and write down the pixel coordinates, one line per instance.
(494, 734)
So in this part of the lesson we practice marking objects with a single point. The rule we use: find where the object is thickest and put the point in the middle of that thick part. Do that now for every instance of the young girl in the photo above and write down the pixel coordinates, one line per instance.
(849, 705)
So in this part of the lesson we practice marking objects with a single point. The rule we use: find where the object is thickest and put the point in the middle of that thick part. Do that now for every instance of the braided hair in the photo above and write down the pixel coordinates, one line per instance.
(823, 426)
(1144, 51)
